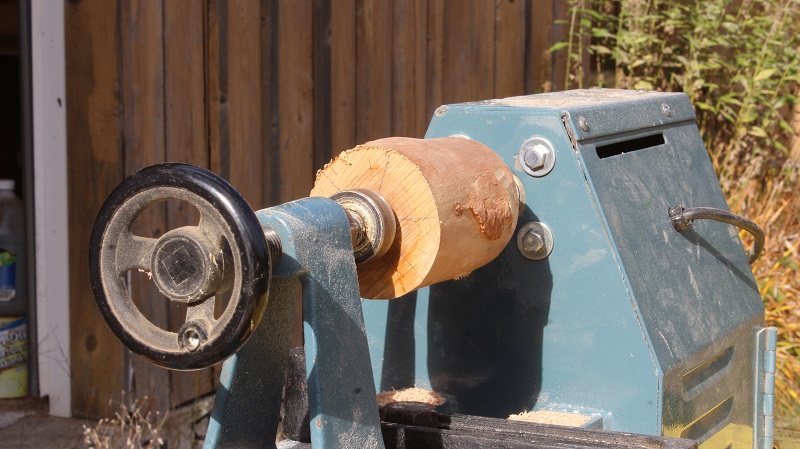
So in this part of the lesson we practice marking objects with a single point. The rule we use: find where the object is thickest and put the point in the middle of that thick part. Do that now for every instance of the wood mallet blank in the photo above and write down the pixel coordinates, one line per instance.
(455, 201)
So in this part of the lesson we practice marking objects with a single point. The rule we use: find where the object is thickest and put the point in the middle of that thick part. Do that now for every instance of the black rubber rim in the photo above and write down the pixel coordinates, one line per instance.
(248, 237)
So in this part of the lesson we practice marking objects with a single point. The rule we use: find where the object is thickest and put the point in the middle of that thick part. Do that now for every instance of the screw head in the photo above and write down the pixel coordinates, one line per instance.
(583, 124)
(666, 109)
(191, 335)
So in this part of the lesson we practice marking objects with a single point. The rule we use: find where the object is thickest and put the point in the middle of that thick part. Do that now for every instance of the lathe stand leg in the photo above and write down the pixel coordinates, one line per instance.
(248, 403)
(317, 250)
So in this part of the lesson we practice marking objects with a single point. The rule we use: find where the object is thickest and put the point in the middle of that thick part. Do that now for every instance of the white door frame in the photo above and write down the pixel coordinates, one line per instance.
(51, 232)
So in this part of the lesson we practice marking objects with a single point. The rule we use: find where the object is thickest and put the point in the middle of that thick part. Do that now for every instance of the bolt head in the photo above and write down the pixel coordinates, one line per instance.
(533, 241)
(536, 157)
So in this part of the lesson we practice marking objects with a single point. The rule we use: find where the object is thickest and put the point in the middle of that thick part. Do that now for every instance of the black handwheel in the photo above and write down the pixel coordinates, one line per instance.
(188, 265)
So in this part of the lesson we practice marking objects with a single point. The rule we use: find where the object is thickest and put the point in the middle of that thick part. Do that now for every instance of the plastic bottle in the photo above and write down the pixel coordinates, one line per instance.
(13, 300)
(13, 295)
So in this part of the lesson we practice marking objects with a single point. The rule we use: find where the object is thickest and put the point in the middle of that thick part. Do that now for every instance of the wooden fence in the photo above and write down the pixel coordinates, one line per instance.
(262, 92)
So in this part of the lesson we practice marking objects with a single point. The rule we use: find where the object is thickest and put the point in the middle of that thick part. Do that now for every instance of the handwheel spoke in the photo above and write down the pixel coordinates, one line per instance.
(134, 252)
(201, 311)
(211, 229)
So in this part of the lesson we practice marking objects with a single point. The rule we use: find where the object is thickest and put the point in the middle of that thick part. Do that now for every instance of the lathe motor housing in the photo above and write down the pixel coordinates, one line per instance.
(654, 331)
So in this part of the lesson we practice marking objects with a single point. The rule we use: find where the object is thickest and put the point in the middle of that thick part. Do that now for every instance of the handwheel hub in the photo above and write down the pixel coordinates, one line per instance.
(186, 266)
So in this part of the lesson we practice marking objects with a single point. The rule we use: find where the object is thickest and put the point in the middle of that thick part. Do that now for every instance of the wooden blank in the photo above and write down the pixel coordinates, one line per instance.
(455, 201)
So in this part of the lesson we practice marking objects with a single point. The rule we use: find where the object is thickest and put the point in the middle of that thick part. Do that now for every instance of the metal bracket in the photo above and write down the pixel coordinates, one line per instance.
(317, 251)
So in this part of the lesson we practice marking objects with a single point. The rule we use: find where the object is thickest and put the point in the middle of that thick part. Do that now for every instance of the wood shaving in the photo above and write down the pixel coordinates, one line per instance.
(551, 417)
(409, 395)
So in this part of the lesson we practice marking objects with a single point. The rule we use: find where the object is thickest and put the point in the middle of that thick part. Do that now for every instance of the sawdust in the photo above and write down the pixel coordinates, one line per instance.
(409, 395)
(551, 417)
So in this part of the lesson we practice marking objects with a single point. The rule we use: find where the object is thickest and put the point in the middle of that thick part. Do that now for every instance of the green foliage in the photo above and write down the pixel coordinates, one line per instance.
(738, 60)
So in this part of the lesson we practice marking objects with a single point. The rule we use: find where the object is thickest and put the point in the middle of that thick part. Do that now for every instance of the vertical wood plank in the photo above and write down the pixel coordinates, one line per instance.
(95, 167)
(185, 137)
(374, 31)
(270, 128)
(321, 51)
(468, 54)
(420, 111)
(509, 52)
(295, 65)
(244, 99)
(142, 68)
(409, 68)
(539, 61)
(435, 50)
(216, 67)
(343, 76)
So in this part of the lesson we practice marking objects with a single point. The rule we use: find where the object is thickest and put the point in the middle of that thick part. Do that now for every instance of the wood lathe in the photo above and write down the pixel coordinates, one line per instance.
(565, 258)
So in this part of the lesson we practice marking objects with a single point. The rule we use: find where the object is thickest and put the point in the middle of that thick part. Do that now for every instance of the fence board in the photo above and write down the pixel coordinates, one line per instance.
(343, 76)
(244, 95)
(296, 96)
(321, 38)
(216, 88)
(270, 131)
(538, 60)
(435, 50)
(185, 137)
(509, 48)
(142, 69)
(95, 155)
(409, 68)
(468, 53)
(374, 69)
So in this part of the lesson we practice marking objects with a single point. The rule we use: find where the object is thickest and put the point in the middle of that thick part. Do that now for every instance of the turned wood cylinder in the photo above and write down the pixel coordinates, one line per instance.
(455, 201)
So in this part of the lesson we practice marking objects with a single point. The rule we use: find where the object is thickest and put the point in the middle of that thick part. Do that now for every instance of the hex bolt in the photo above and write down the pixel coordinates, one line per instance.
(583, 124)
(533, 241)
(666, 110)
(536, 156)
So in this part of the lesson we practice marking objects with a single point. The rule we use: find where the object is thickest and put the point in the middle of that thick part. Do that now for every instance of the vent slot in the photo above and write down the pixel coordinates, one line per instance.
(712, 370)
(628, 146)
(711, 423)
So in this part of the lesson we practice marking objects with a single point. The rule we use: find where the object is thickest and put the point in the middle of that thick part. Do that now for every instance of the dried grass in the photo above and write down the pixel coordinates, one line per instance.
(775, 205)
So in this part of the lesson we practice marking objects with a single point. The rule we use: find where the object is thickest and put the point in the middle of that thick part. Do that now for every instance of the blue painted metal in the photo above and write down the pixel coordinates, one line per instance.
(627, 319)
(247, 407)
(317, 248)
(317, 251)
